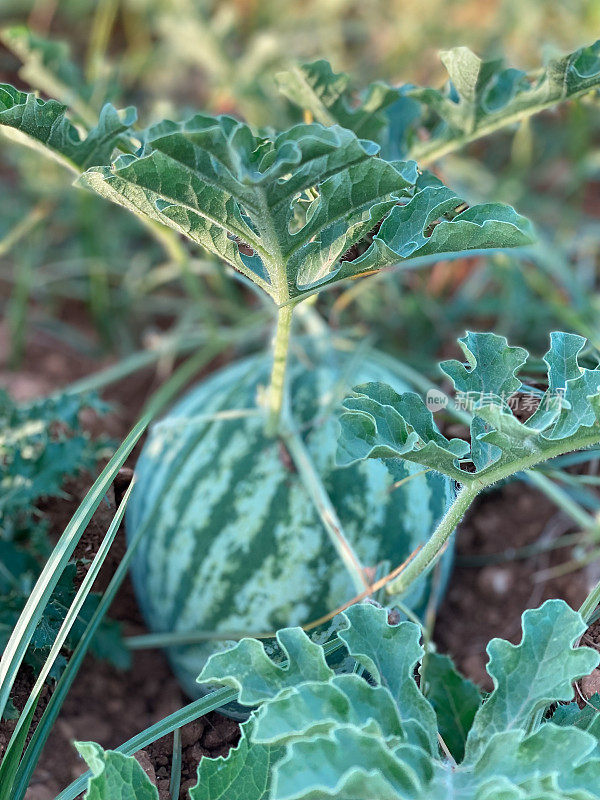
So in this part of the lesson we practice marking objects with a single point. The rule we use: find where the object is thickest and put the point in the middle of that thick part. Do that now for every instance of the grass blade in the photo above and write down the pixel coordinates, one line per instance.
(68, 622)
(156, 403)
(34, 608)
(10, 761)
(175, 782)
(188, 713)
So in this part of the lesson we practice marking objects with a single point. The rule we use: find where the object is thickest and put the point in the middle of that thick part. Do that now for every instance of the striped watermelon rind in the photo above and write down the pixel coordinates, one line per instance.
(232, 541)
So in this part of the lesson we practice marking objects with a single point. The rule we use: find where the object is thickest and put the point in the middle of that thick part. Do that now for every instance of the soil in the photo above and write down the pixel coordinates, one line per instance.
(483, 600)
(487, 600)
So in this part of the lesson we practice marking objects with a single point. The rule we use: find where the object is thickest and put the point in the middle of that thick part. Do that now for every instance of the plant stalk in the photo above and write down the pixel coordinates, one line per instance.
(435, 544)
(433, 547)
(428, 151)
(281, 344)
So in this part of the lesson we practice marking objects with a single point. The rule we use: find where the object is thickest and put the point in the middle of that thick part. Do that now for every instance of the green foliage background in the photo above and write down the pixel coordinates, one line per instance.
(177, 57)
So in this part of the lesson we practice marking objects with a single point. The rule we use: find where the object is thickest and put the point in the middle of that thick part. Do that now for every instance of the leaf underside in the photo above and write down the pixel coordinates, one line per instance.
(294, 212)
(379, 423)
(44, 125)
(299, 211)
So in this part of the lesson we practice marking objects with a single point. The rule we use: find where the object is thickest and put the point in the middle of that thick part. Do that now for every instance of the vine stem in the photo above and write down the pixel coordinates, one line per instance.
(469, 491)
(433, 547)
(428, 151)
(281, 344)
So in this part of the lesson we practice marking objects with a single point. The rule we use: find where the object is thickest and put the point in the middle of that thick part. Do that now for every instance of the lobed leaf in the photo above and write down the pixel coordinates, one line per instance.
(248, 668)
(454, 698)
(553, 762)
(328, 96)
(586, 718)
(528, 676)
(491, 366)
(44, 125)
(485, 95)
(317, 708)
(424, 123)
(301, 209)
(244, 774)
(115, 775)
(390, 654)
(47, 65)
(294, 211)
(509, 754)
(348, 764)
(379, 423)
(320, 736)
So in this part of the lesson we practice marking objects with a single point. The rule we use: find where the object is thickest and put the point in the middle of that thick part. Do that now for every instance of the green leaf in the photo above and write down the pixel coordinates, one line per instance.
(528, 676)
(479, 98)
(379, 423)
(48, 67)
(248, 668)
(295, 211)
(419, 228)
(244, 774)
(563, 359)
(390, 653)
(115, 775)
(454, 698)
(299, 210)
(40, 445)
(485, 95)
(347, 765)
(491, 366)
(488, 376)
(341, 738)
(586, 718)
(20, 637)
(328, 96)
(12, 755)
(553, 762)
(316, 708)
(43, 125)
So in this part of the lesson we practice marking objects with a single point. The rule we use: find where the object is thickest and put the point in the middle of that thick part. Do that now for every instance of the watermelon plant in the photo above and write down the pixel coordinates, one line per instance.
(238, 505)
(244, 542)
(376, 732)
(239, 508)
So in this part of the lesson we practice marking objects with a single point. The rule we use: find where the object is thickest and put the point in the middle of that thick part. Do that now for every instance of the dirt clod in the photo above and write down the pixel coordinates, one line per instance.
(591, 683)
(143, 760)
(192, 733)
(228, 731)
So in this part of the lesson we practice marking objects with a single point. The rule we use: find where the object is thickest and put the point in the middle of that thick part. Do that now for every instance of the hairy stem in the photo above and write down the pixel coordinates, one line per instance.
(281, 344)
(473, 485)
(436, 542)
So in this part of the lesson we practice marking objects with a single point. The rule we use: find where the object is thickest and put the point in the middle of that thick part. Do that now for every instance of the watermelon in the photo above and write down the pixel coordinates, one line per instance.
(231, 539)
